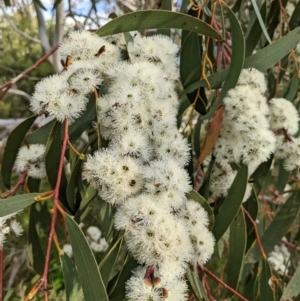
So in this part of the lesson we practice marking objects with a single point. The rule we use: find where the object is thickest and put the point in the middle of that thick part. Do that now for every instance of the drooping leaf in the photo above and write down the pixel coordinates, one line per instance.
(150, 19)
(72, 285)
(195, 196)
(278, 227)
(165, 5)
(212, 135)
(88, 272)
(237, 244)
(231, 205)
(16, 203)
(35, 251)
(41, 134)
(261, 60)
(14, 142)
(196, 285)
(265, 290)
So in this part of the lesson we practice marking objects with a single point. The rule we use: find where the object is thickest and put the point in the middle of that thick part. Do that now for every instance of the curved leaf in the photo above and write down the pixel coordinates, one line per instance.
(150, 19)
(88, 272)
(292, 289)
(232, 203)
(195, 196)
(278, 227)
(14, 142)
(41, 134)
(196, 285)
(261, 60)
(237, 244)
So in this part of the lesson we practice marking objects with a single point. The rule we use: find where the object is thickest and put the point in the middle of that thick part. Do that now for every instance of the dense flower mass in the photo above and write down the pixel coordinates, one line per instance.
(31, 159)
(8, 223)
(142, 169)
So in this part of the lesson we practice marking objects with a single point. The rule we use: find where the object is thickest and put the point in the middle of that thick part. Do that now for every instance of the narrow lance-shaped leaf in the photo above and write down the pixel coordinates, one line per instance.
(14, 142)
(231, 205)
(16, 203)
(150, 19)
(196, 285)
(278, 227)
(237, 244)
(293, 287)
(261, 60)
(88, 272)
(265, 290)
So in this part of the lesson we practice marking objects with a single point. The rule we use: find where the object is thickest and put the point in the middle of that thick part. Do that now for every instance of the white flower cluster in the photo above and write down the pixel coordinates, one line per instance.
(85, 57)
(280, 259)
(245, 136)
(142, 171)
(31, 159)
(5, 228)
(93, 235)
(283, 115)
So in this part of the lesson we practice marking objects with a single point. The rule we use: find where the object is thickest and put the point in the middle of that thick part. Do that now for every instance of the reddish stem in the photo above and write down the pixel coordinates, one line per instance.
(288, 244)
(212, 275)
(8, 84)
(55, 207)
(13, 191)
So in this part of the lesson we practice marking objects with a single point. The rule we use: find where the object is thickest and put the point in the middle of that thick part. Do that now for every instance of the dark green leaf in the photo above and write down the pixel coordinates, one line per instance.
(237, 244)
(295, 18)
(261, 60)
(107, 265)
(196, 285)
(14, 142)
(165, 5)
(72, 286)
(265, 290)
(204, 189)
(293, 88)
(196, 138)
(117, 288)
(35, 251)
(283, 176)
(16, 203)
(150, 19)
(237, 57)
(41, 134)
(254, 32)
(88, 272)
(232, 203)
(278, 227)
(195, 196)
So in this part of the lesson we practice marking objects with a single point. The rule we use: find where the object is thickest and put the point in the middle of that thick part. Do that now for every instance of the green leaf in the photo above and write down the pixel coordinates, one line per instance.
(237, 57)
(165, 5)
(261, 21)
(278, 227)
(41, 134)
(195, 196)
(261, 60)
(14, 142)
(196, 285)
(265, 290)
(254, 32)
(116, 287)
(150, 19)
(293, 88)
(295, 18)
(88, 272)
(16, 203)
(293, 287)
(237, 244)
(72, 286)
(283, 176)
(232, 203)
(35, 251)
(107, 265)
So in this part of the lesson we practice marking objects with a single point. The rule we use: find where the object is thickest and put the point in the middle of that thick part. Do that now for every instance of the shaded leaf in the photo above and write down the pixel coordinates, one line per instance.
(278, 227)
(237, 244)
(16, 203)
(88, 272)
(231, 205)
(196, 285)
(150, 19)
(41, 134)
(265, 290)
(293, 287)
(72, 286)
(14, 142)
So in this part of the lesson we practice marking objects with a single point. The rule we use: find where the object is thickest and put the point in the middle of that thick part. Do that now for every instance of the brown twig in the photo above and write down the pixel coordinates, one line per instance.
(256, 233)
(8, 84)
(212, 275)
